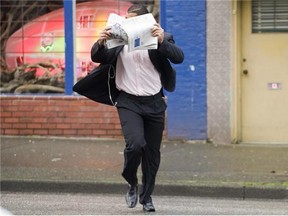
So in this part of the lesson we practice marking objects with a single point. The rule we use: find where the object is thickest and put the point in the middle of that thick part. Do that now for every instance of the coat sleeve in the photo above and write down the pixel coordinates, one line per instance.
(103, 55)
(170, 50)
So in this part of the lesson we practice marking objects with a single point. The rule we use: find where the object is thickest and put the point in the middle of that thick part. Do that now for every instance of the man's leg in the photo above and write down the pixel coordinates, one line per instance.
(133, 131)
(154, 126)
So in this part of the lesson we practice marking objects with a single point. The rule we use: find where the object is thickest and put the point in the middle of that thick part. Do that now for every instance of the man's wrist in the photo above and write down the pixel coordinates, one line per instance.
(102, 42)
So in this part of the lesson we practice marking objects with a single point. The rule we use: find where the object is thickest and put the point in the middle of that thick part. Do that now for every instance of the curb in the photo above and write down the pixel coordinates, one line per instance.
(161, 190)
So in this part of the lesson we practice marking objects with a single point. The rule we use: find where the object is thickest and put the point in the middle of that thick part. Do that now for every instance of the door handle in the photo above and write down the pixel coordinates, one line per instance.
(245, 72)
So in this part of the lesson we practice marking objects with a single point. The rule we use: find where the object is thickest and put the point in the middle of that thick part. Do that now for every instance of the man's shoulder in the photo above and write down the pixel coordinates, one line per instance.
(168, 35)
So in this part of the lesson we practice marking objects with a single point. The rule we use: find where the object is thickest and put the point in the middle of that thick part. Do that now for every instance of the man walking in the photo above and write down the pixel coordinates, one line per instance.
(140, 78)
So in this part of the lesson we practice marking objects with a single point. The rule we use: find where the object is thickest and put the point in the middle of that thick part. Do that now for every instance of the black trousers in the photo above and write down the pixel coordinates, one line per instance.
(142, 120)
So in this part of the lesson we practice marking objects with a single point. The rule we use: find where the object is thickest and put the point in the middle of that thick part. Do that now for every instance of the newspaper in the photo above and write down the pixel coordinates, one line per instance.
(134, 32)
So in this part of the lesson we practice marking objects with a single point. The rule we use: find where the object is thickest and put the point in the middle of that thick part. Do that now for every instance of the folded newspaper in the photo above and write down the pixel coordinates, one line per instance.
(134, 32)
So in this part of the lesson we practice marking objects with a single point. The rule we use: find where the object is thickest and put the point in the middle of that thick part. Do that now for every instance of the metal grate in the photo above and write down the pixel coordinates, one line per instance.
(269, 16)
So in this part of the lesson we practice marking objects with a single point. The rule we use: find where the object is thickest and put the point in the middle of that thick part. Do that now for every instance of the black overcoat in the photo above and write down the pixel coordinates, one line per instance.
(100, 86)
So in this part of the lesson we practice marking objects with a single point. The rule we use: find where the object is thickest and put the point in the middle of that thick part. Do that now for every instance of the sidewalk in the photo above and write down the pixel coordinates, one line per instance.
(187, 169)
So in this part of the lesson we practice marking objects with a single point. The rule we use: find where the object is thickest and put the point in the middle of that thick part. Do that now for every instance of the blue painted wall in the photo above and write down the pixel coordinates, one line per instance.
(187, 108)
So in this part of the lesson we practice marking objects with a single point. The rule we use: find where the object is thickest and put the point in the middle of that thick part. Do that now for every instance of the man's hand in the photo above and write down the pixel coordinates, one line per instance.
(104, 35)
(157, 31)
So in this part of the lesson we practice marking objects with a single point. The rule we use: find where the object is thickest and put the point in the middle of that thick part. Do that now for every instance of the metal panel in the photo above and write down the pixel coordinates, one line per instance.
(69, 13)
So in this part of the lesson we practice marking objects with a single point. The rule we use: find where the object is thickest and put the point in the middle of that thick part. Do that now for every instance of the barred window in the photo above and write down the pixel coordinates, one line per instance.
(269, 16)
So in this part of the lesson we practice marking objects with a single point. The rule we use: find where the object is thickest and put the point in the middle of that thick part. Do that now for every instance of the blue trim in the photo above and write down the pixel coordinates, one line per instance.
(163, 14)
(69, 7)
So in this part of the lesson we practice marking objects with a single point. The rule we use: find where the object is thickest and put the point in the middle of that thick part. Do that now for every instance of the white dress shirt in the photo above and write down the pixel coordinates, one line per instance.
(135, 73)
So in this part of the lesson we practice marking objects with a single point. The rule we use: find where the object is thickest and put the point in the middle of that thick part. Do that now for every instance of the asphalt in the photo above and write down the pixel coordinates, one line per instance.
(74, 165)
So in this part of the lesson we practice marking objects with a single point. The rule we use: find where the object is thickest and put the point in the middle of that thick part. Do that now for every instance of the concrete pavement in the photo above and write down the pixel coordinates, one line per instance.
(190, 169)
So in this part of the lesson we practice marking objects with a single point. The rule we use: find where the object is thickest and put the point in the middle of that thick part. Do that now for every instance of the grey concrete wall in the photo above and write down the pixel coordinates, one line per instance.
(219, 57)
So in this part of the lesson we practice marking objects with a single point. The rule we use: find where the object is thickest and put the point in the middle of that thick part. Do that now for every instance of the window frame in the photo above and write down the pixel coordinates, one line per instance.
(269, 16)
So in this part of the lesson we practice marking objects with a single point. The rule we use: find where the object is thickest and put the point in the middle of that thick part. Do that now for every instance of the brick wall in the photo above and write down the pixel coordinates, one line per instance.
(58, 116)
(63, 116)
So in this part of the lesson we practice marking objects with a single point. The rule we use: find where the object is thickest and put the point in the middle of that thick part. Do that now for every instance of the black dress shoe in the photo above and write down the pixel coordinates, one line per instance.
(132, 196)
(148, 207)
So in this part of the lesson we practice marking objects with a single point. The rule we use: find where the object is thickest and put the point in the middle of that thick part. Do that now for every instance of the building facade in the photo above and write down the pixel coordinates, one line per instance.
(231, 87)
(247, 71)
